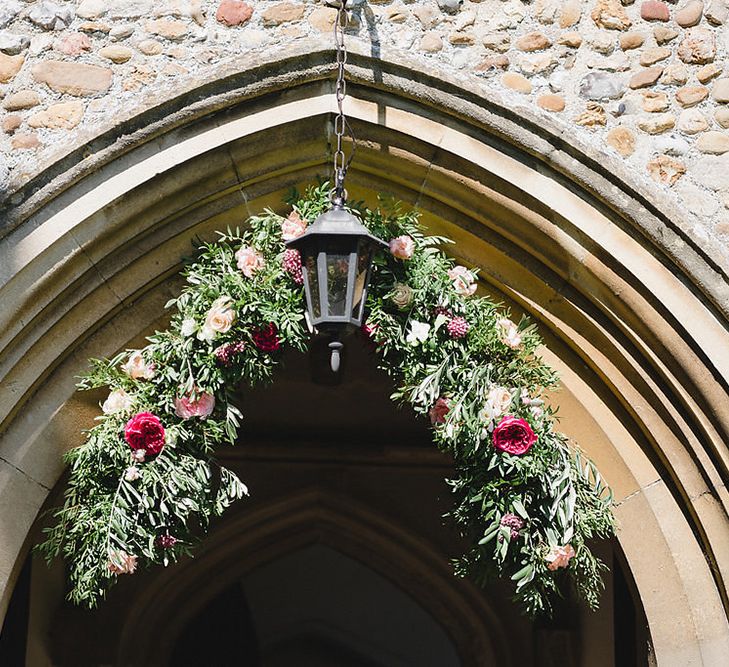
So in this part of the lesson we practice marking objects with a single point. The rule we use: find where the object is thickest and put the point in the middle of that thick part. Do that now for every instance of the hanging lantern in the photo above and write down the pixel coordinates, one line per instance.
(336, 256)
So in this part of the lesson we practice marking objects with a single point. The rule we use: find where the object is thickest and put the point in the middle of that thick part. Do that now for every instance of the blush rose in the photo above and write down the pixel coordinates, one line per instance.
(402, 247)
(293, 227)
(249, 261)
(186, 407)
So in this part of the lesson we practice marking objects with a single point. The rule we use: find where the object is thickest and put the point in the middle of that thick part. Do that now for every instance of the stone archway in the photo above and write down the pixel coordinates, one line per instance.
(633, 311)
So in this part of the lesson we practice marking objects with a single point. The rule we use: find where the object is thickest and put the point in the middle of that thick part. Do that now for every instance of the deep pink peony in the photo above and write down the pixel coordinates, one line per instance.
(187, 407)
(145, 431)
(439, 411)
(514, 436)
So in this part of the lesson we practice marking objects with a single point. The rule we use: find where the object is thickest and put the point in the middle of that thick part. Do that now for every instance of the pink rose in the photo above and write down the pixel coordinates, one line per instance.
(508, 333)
(513, 436)
(559, 557)
(187, 407)
(249, 261)
(145, 432)
(439, 411)
(402, 247)
(464, 282)
(137, 368)
(293, 227)
(120, 562)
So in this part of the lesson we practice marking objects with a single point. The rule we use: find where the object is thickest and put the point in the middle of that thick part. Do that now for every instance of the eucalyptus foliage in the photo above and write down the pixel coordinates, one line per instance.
(555, 491)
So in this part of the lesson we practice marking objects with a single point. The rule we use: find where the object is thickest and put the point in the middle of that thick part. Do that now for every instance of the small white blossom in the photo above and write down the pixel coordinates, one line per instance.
(132, 473)
(419, 332)
(188, 327)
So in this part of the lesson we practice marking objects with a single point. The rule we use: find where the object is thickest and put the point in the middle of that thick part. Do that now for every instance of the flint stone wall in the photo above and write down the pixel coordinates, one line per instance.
(644, 81)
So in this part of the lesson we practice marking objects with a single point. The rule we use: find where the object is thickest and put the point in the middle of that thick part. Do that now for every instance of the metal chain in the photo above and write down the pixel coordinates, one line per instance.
(341, 125)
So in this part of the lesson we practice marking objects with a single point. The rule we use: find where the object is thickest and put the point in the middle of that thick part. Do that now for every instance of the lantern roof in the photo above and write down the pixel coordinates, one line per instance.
(337, 221)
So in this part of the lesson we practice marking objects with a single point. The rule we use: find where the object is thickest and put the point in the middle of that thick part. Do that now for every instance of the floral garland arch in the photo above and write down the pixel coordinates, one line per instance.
(145, 485)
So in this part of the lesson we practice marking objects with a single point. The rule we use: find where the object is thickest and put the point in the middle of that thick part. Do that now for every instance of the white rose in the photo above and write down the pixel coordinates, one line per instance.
(497, 403)
(117, 401)
(219, 319)
(508, 333)
(137, 368)
(188, 326)
(419, 332)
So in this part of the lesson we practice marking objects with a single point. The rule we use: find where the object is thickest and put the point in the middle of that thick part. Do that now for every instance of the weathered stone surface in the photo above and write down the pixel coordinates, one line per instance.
(593, 116)
(397, 14)
(692, 121)
(116, 53)
(697, 47)
(712, 172)
(713, 142)
(690, 14)
(167, 28)
(533, 41)
(617, 62)
(10, 66)
(721, 116)
(550, 102)
(664, 34)
(601, 86)
(571, 39)
(622, 140)
(646, 77)
(287, 12)
(657, 123)
(491, 64)
(322, 19)
(65, 115)
(95, 27)
(652, 56)
(708, 72)
(150, 47)
(75, 79)
(23, 99)
(665, 169)
(652, 10)
(233, 12)
(131, 9)
(92, 9)
(691, 95)
(72, 44)
(50, 16)
(427, 15)
(431, 43)
(631, 40)
(12, 44)
(9, 9)
(675, 74)
(720, 91)
(717, 12)
(25, 141)
(450, 6)
(11, 123)
(496, 42)
(570, 13)
(654, 102)
(539, 64)
(603, 42)
(516, 82)
(120, 32)
(610, 14)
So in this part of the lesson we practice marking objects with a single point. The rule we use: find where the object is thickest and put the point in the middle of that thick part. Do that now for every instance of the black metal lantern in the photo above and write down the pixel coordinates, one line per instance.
(336, 256)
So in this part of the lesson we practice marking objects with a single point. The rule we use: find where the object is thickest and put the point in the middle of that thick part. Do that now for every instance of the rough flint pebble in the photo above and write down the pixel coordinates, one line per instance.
(450, 6)
(601, 86)
(9, 9)
(12, 44)
(50, 16)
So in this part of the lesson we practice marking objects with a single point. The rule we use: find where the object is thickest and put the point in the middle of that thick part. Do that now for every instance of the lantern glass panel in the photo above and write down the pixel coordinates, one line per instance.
(312, 282)
(364, 257)
(337, 267)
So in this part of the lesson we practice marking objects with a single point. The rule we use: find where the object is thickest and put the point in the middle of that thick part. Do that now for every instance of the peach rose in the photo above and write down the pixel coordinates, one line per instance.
(464, 282)
(120, 562)
(187, 407)
(559, 557)
(508, 333)
(293, 227)
(137, 368)
(117, 401)
(249, 260)
(219, 318)
(402, 247)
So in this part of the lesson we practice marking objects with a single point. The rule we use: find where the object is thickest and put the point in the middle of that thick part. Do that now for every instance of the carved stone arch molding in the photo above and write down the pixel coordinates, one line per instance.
(293, 522)
(634, 312)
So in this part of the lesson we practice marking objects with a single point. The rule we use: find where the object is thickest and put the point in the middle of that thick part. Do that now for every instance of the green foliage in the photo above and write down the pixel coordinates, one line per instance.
(556, 496)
